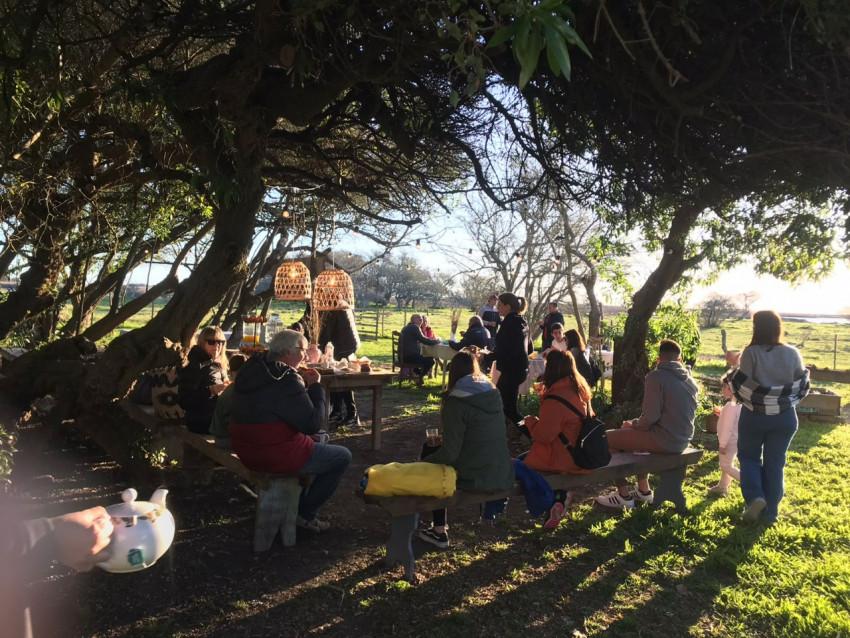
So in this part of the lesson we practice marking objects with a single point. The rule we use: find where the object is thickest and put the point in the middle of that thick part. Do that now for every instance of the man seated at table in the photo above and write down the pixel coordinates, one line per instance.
(666, 423)
(476, 335)
(277, 410)
(410, 347)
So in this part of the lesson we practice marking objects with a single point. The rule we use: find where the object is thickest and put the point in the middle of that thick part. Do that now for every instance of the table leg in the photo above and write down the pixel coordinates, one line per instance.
(445, 367)
(377, 394)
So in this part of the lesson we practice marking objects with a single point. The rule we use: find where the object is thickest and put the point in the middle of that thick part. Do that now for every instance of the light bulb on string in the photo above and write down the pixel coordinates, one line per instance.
(418, 244)
(469, 252)
(285, 214)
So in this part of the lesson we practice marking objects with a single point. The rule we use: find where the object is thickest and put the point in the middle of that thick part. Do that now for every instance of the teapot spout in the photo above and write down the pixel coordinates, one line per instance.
(158, 497)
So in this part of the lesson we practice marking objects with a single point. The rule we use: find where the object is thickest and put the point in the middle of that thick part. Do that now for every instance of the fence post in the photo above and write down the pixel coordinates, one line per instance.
(723, 339)
(834, 351)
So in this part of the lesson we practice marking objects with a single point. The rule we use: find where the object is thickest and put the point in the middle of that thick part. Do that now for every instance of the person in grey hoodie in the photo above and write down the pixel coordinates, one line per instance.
(474, 441)
(666, 423)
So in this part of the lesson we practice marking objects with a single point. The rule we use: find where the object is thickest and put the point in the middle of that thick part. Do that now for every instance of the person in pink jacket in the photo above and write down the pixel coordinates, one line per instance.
(727, 441)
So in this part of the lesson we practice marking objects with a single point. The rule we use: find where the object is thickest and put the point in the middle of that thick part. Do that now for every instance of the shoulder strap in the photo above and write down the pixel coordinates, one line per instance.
(566, 403)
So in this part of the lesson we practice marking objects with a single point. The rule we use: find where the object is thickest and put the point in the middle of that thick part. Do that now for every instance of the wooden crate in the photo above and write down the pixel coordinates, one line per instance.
(820, 405)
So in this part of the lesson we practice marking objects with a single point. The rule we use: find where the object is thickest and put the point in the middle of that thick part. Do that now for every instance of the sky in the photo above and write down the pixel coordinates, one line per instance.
(829, 296)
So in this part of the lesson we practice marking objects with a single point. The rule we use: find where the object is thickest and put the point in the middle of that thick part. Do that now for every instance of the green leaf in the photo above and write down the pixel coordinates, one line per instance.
(551, 58)
(556, 48)
(529, 56)
(571, 36)
(502, 35)
(454, 98)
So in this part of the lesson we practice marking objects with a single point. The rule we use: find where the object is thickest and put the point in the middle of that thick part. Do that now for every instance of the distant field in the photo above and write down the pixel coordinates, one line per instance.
(820, 344)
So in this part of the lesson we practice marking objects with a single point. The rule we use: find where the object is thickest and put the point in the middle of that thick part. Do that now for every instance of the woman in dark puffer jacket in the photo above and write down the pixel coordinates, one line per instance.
(202, 379)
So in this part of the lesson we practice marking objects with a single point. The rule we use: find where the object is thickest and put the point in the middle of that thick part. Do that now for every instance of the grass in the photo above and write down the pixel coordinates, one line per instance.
(703, 574)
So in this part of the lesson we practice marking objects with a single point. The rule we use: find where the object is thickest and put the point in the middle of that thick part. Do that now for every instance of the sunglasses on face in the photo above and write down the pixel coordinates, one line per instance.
(216, 342)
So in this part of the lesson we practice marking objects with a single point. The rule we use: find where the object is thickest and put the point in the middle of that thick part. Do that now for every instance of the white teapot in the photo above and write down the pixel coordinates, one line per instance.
(142, 532)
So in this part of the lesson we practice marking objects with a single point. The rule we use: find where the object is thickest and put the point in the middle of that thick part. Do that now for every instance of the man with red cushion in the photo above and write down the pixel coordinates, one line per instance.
(276, 410)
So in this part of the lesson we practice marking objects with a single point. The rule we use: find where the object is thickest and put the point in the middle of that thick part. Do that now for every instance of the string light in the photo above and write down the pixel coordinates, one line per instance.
(285, 214)
(418, 244)
(470, 251)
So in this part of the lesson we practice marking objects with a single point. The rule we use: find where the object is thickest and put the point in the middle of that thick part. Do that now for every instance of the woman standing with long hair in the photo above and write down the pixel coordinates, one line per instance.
(769, 382)
(511, 351)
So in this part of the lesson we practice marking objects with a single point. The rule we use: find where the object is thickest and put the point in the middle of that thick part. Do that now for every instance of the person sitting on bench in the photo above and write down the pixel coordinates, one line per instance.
(474, 439)
(203, 379)
(276, 407)
(410, 348)
(666, 423)
(556, 424)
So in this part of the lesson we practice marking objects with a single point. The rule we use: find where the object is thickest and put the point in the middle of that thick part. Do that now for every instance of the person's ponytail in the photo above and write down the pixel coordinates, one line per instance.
(522, 305)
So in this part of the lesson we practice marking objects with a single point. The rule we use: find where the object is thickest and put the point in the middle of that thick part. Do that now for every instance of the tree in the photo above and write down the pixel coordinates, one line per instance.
(703, 137)
(715, 309)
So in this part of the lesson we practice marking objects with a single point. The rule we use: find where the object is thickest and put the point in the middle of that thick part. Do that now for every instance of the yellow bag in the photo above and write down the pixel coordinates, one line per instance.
(411, 479)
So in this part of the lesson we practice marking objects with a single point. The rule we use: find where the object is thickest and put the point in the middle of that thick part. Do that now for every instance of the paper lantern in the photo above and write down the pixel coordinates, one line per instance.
(292, 282)
(333, 289)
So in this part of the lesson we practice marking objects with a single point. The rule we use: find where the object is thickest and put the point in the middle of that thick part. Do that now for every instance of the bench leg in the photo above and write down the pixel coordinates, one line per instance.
(670, 489)
(400, 545)
(277, 509)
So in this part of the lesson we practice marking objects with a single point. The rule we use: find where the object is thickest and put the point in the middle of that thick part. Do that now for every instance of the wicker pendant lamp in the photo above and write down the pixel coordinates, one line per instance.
(333, 289)
(292, 281)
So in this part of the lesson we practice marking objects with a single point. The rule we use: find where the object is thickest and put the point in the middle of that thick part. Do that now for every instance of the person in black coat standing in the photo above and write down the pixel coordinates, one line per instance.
(552, 317)
(203, 379)
(511, 353)
(339, 328)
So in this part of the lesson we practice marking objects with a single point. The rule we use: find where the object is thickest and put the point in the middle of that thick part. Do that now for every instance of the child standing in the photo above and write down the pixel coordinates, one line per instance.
(727, 440)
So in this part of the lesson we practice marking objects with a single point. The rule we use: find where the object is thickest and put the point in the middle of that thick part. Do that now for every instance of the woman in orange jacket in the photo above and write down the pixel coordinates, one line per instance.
(548, 453)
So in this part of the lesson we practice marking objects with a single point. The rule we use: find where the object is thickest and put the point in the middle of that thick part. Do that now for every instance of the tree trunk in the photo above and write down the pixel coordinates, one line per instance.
(594, 319)
(574, 301)
(630, 358)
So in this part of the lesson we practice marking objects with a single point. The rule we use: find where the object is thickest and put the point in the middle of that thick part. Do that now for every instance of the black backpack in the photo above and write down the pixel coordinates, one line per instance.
(591, 449)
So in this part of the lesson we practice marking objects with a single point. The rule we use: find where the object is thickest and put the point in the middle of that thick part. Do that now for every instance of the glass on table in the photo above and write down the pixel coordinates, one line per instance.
(432, 437)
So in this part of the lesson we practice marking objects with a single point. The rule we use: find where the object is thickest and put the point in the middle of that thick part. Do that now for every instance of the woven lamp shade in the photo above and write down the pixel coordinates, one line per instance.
(292, 282)
(331, 288)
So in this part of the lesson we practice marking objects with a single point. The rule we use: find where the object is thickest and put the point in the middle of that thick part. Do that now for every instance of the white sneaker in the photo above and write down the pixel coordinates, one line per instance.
(615, 501)
(640, 497)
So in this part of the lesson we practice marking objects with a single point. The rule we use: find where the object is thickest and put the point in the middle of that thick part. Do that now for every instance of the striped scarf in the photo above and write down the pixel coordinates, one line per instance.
(767, 399)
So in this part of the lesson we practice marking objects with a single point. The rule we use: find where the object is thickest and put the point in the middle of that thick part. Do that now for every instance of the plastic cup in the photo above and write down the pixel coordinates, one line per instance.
(432, 435)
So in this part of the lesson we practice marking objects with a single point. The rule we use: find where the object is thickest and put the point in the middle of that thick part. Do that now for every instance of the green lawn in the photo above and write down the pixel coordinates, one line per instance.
(650, 573)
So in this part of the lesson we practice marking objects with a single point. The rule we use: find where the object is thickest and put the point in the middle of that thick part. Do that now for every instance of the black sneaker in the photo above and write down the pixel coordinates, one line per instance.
(438, 539)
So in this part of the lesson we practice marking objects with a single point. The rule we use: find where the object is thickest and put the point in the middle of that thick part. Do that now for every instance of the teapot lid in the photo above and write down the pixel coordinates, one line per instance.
(130, 506)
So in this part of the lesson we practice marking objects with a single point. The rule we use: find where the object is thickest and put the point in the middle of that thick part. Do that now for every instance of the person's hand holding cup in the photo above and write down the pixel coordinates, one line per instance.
(310, 376)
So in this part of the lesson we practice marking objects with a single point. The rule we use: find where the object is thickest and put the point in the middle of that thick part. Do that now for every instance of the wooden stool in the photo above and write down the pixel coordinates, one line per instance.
(277, 509)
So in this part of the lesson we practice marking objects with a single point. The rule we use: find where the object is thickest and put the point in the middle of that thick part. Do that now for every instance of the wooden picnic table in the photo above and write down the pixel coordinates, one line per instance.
(374, 380)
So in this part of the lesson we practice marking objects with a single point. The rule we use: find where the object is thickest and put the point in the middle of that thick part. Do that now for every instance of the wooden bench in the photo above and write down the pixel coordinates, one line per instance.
(404, 510)
(277, 495)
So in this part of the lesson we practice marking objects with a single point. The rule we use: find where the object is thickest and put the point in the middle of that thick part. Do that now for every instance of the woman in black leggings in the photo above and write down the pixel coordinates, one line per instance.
(511, 352)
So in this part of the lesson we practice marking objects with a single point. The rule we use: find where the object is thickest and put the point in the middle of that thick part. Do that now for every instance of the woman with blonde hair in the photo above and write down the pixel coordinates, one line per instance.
(203, 378)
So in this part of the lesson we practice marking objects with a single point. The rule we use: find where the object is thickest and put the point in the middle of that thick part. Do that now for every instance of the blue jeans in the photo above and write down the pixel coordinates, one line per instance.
(763, 441)
(327, 464)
